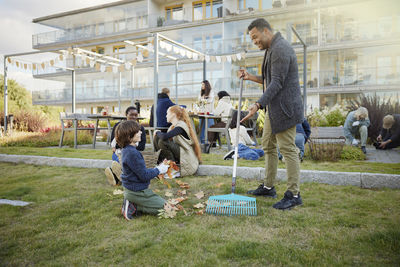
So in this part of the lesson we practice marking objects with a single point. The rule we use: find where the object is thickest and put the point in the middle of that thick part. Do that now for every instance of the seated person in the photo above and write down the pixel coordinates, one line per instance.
(389, 136)
(244, 151)
(113, 173)
(303, 132)
(356, 125)
(138, 198)
(163, 103)
(223, 108)
(180, 143)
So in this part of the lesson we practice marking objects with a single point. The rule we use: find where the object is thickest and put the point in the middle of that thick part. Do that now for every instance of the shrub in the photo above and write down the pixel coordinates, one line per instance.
(327, 117)
(325, 150)
(316, 118)
(377, 108)
(45, 139)
(27, 121)
(352, 153)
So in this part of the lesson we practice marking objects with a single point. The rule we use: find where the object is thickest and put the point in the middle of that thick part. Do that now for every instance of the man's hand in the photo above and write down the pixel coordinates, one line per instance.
(356, 123)
(243, 74)
(252, 110)
(379, 138)
(383, 144)
(155, 133)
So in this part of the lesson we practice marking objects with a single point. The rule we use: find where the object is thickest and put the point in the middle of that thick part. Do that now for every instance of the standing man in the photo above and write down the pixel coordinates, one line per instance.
(163, 104)
(284, 109)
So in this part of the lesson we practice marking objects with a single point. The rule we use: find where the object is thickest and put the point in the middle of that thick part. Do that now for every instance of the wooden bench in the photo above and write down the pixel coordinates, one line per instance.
(250, 127)
(327, 134)
(74, 118)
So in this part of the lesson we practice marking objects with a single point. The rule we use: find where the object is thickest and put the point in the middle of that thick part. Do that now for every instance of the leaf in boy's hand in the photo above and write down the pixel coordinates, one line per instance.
(199, 195)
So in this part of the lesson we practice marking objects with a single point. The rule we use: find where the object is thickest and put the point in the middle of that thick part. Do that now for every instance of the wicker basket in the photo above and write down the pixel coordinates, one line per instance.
(150, 158)
(326, 149)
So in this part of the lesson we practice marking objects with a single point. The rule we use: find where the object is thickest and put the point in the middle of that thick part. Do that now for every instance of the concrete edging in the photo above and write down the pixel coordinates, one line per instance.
(363, 180)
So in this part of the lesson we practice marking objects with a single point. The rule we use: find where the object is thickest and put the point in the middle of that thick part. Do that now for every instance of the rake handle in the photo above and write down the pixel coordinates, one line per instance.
(235, 158)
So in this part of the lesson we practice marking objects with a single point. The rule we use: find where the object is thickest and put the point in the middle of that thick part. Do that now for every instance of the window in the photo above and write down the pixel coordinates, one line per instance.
(207, 9)
(174, 12)
(119, 52)
(98, 50)
(256, 4)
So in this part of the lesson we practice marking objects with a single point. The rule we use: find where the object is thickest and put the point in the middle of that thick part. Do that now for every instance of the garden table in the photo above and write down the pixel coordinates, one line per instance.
(107, 118)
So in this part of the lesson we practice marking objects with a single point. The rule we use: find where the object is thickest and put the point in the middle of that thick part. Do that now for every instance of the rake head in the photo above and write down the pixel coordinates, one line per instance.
(231, 205)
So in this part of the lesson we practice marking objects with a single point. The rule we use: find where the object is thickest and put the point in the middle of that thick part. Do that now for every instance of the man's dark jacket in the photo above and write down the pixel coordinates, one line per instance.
(163, 103)
(394, 132)
(281, 94)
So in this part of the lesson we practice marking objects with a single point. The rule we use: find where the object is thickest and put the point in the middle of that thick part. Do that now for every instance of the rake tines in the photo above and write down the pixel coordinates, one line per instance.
(231, 204)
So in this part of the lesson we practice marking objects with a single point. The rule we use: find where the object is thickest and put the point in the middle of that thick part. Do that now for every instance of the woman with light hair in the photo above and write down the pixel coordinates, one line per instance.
(389, 136)
(356, 125)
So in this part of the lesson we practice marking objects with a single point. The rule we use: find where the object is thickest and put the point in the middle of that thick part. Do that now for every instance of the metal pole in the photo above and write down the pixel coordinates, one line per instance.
(176, 81)
(155, 80)
(73, 91)
(119, 92)
(305, 80)
(204, 70)
(5, 96)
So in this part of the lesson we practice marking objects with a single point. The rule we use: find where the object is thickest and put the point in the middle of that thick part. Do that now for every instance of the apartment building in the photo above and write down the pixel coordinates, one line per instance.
(353, 47)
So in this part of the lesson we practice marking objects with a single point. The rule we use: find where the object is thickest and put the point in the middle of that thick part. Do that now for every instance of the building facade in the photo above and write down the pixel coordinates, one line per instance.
(353, 48)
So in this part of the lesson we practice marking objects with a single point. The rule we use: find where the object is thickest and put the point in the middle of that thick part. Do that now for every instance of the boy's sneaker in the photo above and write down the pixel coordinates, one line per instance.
(263, 191)
(229, 155)
(128, 210)
(288, 201)
(111, 177)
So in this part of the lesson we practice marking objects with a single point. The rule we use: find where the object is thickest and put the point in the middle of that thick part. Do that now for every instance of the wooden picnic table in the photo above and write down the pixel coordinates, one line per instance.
(205, 123)
(107, 118)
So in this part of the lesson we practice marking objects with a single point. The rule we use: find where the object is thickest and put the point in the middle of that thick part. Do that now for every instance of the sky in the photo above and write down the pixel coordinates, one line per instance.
(16, 29)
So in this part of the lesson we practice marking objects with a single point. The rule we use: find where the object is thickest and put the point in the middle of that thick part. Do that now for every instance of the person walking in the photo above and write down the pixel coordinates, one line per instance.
(284, 109)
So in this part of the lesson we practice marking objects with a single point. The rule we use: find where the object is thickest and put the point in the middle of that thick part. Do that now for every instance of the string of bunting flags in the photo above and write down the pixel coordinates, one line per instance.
(105, 63)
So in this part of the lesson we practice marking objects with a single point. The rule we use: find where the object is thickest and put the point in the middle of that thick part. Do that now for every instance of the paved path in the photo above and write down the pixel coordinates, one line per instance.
(384, 156)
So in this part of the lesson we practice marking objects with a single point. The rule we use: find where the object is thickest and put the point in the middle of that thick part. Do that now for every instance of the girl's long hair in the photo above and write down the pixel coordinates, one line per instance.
(207, 89)
(182, 115)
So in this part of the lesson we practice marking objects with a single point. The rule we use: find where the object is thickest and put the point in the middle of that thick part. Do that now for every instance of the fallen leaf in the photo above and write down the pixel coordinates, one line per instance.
(181, 192)
(168, 194)
(118, 192)
(199, 205)
(199, 195)
(200, 212)
(219, 185)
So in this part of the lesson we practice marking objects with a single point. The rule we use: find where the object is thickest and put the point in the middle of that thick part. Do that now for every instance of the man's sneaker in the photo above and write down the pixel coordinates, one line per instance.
(364, 150)
(229, 155)
(288, 201)
(263, 191)
(111, 177)
(128, 210)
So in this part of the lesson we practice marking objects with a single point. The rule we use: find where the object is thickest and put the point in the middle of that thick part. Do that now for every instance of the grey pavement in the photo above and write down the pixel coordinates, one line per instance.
(384, 156)
(360, 179)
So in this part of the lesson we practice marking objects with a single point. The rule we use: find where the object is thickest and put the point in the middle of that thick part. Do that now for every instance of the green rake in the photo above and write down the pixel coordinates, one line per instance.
(233, 204)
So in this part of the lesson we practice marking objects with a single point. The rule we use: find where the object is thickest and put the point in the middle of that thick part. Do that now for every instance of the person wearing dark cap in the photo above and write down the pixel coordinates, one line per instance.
(389, 136)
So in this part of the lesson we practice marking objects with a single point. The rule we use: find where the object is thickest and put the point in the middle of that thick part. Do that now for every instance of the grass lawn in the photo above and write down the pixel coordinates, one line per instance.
(214, 159)
(75, 220)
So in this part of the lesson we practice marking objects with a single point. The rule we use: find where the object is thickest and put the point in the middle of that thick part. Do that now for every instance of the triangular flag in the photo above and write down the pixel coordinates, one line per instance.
(61, 57)
(223, 58)
(145, 53)
(17, 64)
(176, 50)
(102, 68)
(97, 66)
(109, 69)
(34, 66)
(133, 62)
(218, 58)
(189, 54)
(92, 62)
(239, 56)
(115, 69)
(134, 56)
(233, 58)
(25, 66)
(43, 65)
(168, 47)
(201, 57)
(52, 62)
(207, 58)
(87, 61)
(9, 60)
(195, 56)
(121, 68)
(162, 44)
(243, 55)
(182, 52)
(127, 66)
